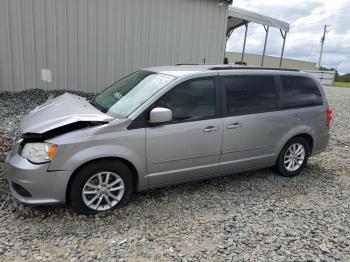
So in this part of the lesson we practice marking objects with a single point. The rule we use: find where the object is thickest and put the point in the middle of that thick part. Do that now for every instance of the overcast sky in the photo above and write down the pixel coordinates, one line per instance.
(307, 19)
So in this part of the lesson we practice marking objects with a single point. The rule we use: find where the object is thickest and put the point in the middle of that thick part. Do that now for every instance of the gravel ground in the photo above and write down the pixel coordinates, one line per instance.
(247, 217)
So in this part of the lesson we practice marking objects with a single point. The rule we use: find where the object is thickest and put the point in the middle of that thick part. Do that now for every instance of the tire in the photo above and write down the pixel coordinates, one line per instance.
(92, 178)
(286, 168)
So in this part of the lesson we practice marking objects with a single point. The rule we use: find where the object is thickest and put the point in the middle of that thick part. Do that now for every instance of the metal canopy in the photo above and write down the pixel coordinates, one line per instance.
(238, 17)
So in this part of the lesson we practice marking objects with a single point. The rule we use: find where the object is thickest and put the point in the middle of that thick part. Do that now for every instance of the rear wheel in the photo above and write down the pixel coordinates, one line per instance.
(293, 157)
(101, 186)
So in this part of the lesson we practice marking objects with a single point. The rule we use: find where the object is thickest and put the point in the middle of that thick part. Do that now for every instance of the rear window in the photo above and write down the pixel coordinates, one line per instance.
(249, 94)
(300, 92)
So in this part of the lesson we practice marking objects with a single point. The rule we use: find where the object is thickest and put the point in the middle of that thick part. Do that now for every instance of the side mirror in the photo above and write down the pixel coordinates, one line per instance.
(160, 115)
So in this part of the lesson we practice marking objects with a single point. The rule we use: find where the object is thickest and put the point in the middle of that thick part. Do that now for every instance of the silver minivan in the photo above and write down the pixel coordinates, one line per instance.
(166, 125)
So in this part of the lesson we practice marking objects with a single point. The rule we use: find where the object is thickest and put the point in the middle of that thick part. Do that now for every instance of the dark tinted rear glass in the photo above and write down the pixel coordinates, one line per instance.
(250, 94)
(300, 92)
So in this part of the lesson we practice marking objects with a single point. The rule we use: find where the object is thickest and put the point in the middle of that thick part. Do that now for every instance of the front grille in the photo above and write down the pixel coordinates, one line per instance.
(21, 190)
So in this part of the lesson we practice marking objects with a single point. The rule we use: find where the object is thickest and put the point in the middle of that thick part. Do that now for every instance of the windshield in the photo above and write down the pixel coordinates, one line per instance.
(125, 96)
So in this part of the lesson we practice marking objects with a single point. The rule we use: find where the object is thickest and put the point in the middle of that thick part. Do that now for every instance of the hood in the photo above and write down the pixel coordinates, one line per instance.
(64, 110)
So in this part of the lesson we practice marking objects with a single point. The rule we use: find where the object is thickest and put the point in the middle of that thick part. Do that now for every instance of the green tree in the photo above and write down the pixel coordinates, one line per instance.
(338, 78)
(323, 68)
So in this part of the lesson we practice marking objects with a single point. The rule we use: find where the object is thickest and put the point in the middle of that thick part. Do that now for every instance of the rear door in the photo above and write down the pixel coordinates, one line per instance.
(252, 124)
(189, 146)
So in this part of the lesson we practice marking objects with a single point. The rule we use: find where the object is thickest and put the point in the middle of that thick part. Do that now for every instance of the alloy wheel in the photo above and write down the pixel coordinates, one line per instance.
(294, 157)
(103, 191)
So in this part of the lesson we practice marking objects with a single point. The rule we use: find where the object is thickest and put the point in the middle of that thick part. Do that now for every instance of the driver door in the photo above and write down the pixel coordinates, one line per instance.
(189, 146)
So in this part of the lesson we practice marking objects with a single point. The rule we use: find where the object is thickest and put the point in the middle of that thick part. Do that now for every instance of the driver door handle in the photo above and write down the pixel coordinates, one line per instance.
(211, 129)
(233, 126)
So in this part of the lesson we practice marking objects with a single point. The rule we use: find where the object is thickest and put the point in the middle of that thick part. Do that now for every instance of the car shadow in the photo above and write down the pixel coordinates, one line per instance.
(264, 181)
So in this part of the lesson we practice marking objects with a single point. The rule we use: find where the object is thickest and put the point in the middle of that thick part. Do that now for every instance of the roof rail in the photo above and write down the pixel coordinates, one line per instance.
(254, 68)
(187, 64)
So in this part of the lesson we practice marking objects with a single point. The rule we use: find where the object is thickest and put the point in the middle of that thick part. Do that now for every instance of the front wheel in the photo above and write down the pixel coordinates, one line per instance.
(101, 186)
(293, 157)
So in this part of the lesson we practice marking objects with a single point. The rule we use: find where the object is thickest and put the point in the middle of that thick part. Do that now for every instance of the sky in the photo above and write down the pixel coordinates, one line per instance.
(307, 19)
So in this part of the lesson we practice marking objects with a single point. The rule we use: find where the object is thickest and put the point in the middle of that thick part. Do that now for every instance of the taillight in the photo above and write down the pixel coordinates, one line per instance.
(329, 115)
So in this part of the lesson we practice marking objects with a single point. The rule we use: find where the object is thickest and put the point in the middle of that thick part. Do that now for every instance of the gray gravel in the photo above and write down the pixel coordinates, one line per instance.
(247, 217)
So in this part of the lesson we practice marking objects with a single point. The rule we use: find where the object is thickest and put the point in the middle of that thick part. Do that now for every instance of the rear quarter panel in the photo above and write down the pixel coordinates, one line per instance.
(308, 120)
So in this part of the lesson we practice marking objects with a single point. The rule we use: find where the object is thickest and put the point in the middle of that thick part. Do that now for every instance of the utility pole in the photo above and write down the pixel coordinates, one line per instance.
(322, 41)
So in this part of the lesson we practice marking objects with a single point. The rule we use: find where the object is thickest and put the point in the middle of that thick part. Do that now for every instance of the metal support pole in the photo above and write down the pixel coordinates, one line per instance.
(228, 35)
(284, 42)
(245, 40)
(321, 52)
(266, 35)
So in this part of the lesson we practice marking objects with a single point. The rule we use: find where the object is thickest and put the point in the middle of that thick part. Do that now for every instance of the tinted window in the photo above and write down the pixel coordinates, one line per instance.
(191, 101)
(300, 91)
(250, 94)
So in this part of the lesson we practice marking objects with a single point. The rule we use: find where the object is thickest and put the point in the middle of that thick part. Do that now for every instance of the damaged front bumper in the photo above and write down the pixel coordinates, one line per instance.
(33, 183)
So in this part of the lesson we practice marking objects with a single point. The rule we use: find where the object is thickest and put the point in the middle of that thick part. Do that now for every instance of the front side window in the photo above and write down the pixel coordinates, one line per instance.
(125, 96)
(299, 92)
(249, 94)
(192, 100)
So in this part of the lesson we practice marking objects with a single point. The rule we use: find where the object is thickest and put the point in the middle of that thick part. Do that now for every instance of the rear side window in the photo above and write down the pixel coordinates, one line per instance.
(250, 94)
(300, 92)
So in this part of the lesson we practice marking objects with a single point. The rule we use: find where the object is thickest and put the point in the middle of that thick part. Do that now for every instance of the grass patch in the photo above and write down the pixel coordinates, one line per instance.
(342, 84)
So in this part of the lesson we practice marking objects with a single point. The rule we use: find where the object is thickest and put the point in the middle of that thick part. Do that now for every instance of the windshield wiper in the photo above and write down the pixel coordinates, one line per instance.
(98, 106)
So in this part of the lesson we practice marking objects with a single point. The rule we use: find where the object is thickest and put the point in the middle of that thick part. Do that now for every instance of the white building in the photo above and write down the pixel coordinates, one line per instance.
(88, 44)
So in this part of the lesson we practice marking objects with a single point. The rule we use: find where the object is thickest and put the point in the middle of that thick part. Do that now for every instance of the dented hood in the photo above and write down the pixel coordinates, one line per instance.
(63, 110)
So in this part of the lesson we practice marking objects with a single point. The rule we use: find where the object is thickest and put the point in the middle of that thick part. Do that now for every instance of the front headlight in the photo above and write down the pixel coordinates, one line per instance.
(39, 152)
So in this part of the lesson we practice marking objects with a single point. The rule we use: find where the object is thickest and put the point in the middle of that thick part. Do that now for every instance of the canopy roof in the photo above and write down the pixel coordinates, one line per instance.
(237, 17)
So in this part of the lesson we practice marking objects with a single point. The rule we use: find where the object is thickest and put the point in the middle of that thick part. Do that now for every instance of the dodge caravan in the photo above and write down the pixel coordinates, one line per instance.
(166, 125)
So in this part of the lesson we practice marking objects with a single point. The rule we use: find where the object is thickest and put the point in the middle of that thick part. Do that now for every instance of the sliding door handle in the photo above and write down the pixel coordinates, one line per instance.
(233, 126)
(211, 129)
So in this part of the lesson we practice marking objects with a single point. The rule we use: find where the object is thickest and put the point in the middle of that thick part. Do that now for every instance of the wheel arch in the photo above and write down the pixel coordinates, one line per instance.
(309, 139)
(306, 135)
(122, 160)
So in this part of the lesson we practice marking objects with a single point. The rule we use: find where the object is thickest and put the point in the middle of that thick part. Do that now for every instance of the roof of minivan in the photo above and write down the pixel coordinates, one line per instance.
(182, 70)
